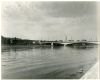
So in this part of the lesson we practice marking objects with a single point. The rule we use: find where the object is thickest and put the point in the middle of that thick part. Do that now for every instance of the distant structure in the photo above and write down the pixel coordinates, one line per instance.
(66, 38)
(77, 43)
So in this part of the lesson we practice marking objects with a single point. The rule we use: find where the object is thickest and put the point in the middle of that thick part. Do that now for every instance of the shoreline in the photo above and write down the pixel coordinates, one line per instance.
(92, 73)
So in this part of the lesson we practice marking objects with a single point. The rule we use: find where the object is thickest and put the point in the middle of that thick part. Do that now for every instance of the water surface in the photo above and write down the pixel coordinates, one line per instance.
(46, 62)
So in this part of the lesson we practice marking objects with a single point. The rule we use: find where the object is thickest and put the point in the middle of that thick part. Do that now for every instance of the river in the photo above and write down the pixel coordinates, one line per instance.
(46, 62)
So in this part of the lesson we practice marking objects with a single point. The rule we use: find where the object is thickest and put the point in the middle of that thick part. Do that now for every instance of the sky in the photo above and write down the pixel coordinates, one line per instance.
(49, 20)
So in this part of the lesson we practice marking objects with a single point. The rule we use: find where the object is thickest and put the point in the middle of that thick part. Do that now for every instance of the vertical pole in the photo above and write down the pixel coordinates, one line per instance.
(66, 38)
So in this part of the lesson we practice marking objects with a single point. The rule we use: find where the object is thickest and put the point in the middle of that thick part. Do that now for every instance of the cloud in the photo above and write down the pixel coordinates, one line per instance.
(49, 20)
(69, 9)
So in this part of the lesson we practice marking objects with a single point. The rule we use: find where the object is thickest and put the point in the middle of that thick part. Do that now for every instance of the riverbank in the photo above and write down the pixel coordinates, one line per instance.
(93, 73)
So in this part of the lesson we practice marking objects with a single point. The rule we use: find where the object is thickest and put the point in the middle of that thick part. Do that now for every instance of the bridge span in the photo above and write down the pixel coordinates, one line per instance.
(81, 43)
(78, 43)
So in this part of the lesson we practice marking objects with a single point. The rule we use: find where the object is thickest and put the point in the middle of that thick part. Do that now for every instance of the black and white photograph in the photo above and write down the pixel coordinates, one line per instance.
(49, 40)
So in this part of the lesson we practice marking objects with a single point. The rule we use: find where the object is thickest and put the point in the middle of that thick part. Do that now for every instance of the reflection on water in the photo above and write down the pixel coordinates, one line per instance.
(35, 62)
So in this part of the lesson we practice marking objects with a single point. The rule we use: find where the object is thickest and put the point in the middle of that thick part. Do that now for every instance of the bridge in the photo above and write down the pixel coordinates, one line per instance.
(77, 43)
(51, 43)
(81, 43)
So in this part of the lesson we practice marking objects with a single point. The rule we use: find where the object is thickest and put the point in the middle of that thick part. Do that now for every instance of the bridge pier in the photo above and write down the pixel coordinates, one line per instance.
(51, 43)
(64, 45)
